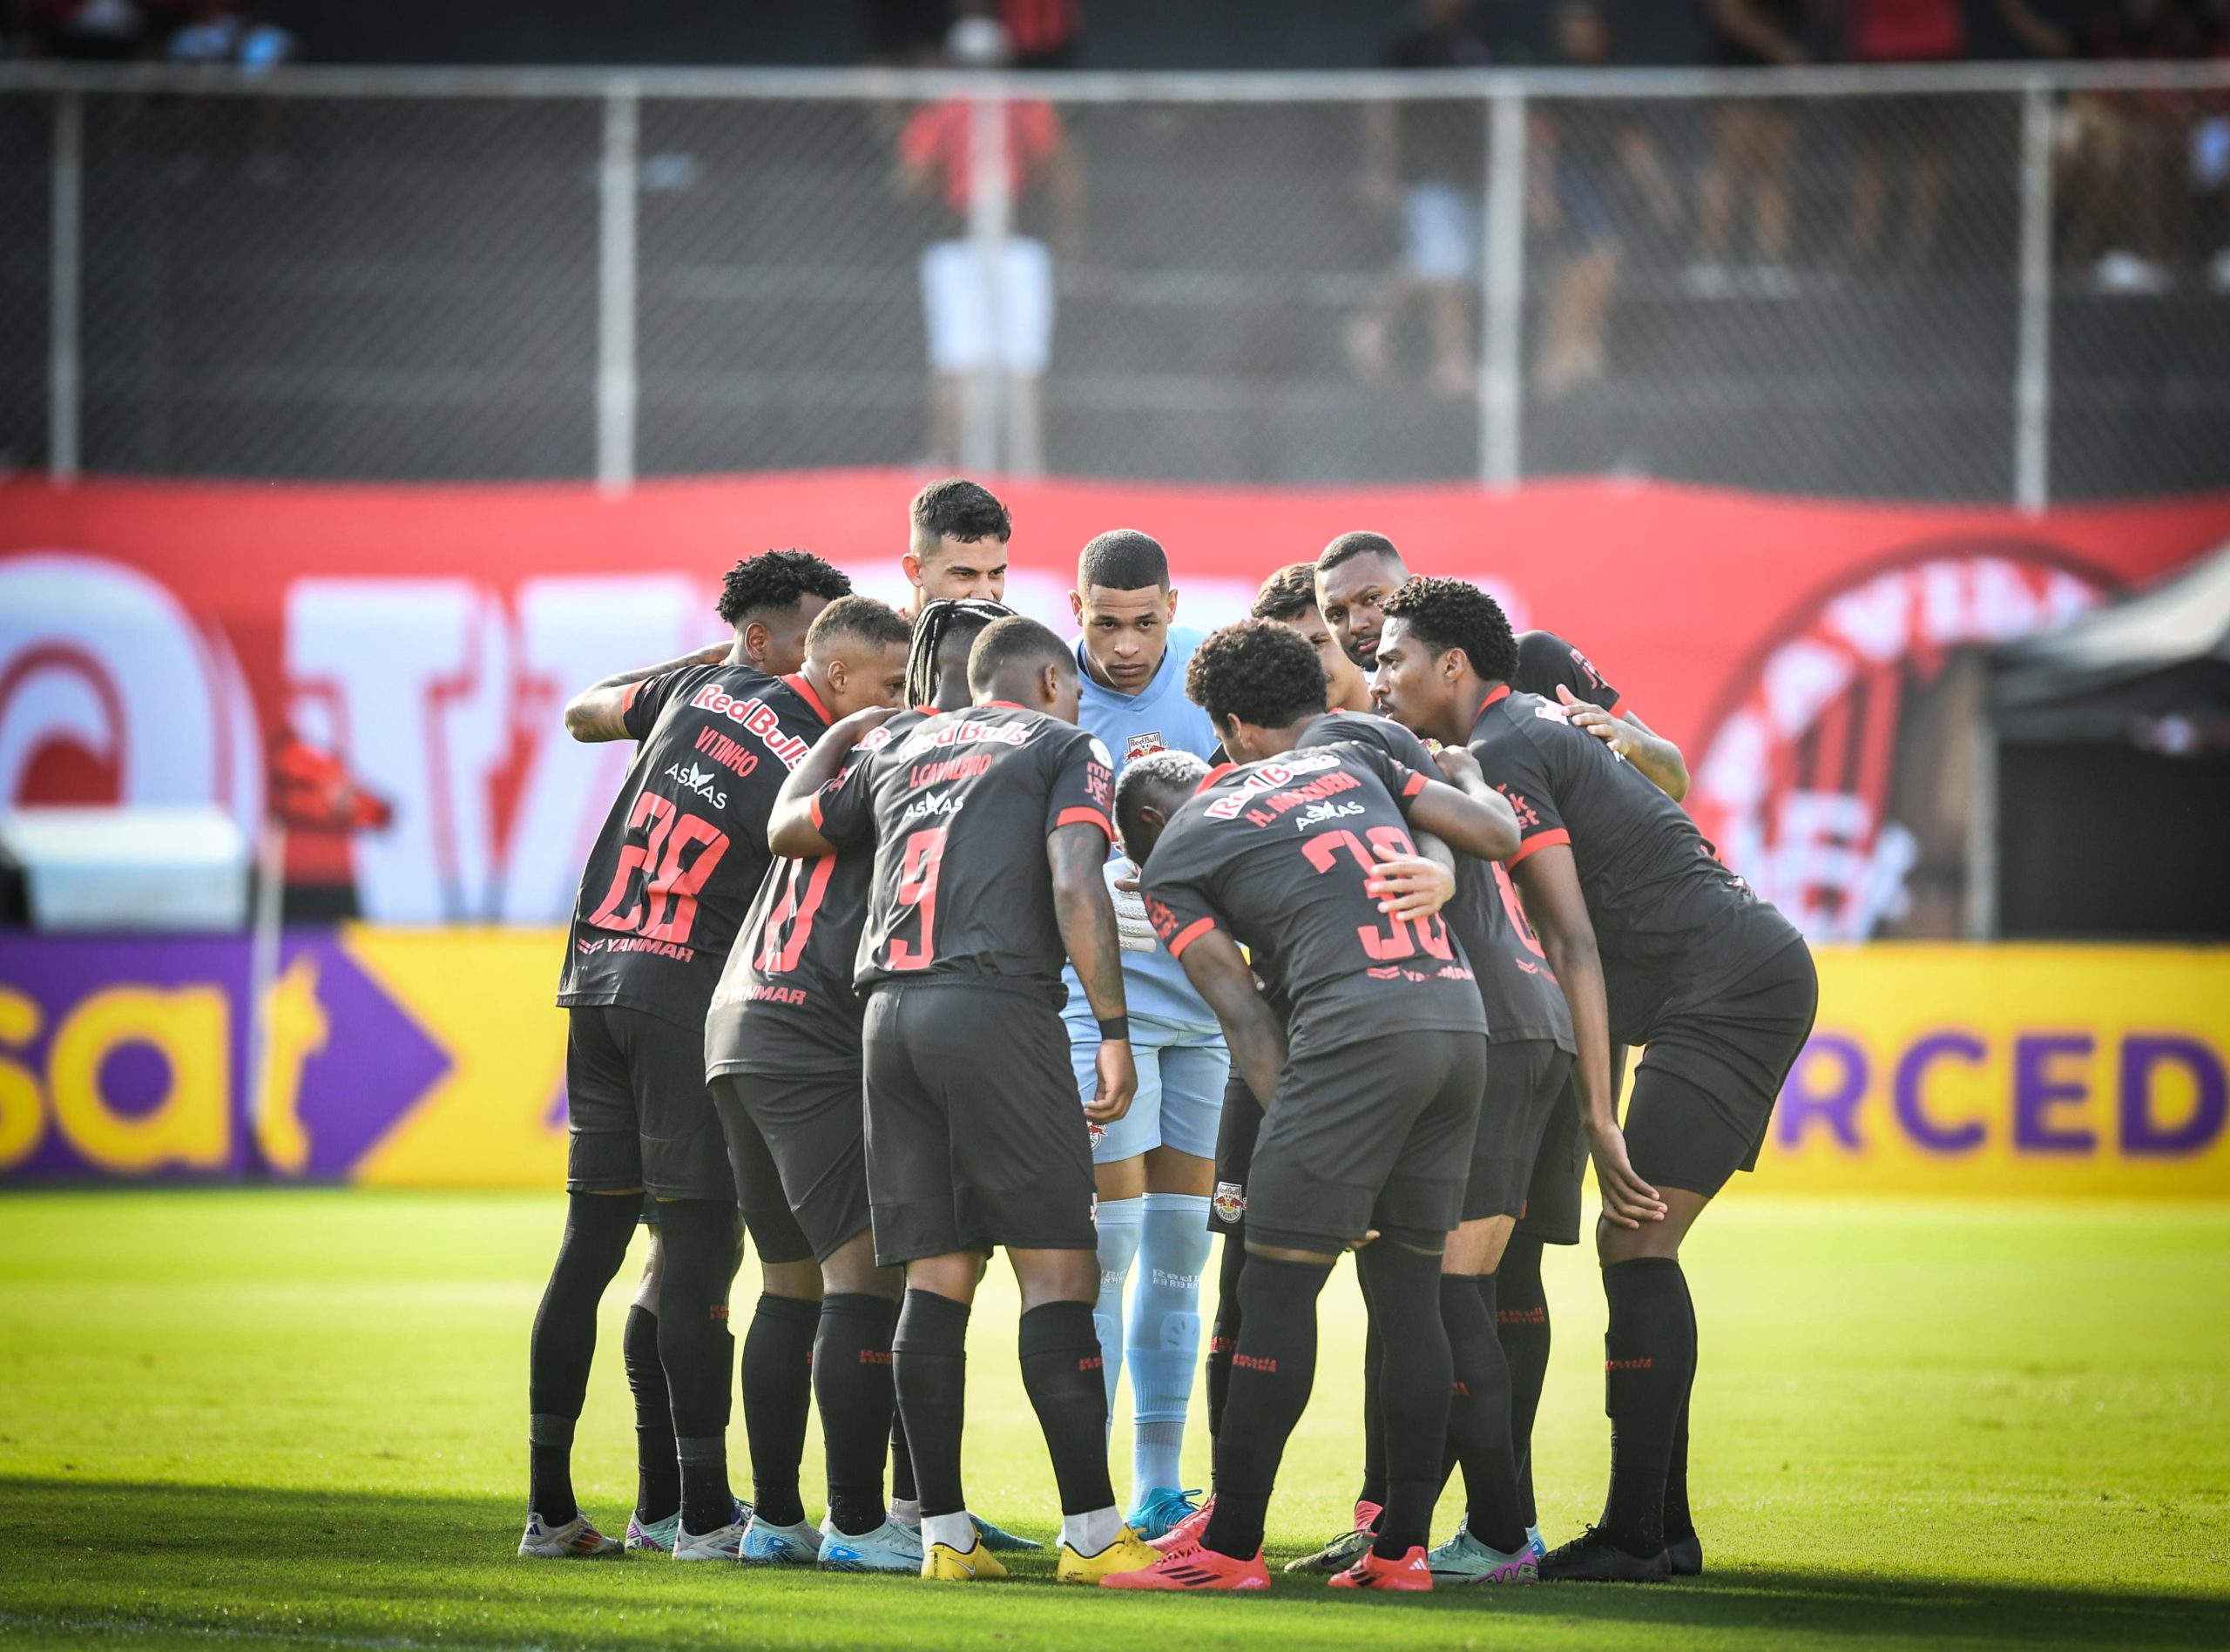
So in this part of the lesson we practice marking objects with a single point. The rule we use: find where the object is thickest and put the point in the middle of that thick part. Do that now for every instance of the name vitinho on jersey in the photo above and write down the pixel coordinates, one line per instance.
(757, 719)
(694, 778)
(1270, 777)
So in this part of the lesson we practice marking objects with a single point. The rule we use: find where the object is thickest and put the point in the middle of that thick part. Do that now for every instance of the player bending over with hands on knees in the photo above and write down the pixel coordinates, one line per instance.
(1657, 944)
(990, 830)
(1366, 1045)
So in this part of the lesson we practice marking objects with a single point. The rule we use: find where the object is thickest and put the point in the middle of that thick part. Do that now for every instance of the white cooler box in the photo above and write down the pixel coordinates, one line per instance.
(138, 869)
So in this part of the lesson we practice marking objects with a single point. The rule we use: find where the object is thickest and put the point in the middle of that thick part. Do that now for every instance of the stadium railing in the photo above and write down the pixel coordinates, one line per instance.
(406, 274)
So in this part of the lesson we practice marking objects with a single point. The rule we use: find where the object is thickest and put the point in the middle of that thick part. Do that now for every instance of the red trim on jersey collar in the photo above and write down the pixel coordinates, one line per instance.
(1501, 693)
(796, 680)
(1009, 705)
(1211, 776)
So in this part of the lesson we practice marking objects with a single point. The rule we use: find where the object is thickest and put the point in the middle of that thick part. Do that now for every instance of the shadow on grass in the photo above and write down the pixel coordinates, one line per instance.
(94, 1561)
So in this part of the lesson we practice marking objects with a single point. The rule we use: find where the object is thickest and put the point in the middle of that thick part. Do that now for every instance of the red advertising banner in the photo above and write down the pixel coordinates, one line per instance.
(1809, 657)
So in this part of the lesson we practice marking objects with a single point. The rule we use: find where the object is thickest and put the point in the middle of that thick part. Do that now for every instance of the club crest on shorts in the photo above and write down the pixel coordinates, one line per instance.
(1144, 744)
(1096, 1133)
(1230, 1202)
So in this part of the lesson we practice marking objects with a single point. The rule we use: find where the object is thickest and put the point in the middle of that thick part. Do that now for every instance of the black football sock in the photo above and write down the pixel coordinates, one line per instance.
(777, 1398)
(1271, 1372)
(1062, 1373)
(1649, 1358)
(1405, 1302)
(930, 1360)
(851, 1384)
(1680, 1524)
(1373, 1402)
(901, 1454)
(1223, 1336)
(597, 1228)
(657, 1474)
(698, 1239)
(1521, 1324)
(1478, 1414)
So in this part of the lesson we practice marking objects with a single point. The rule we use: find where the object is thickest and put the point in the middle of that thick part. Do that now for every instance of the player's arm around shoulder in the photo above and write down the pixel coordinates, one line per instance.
(1077, 855)
(599, 711)
(795, 826)
(1463, 810)
(1656, 758)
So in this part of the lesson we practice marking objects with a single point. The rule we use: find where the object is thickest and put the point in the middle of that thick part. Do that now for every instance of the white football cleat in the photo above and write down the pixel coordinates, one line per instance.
(766, 1544)
(889, 1548)
(575, 1540)
(725, 1544)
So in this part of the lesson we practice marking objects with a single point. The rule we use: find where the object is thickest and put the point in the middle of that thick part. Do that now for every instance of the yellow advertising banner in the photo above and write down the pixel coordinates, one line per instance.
(433, 1058)
(2027, 1070)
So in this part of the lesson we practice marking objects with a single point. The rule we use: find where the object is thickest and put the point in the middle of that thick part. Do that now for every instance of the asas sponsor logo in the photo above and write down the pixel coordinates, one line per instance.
(943, 802)
(1318, 813)
(694, 778)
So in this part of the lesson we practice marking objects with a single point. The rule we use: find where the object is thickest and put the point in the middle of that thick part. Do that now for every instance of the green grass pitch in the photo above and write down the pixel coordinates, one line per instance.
(287, 1417)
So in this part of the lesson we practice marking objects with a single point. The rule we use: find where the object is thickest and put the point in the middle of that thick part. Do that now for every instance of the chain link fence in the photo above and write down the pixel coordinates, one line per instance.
(1956, 285)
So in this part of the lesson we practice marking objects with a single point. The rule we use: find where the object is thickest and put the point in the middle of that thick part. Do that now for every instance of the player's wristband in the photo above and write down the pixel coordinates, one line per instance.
(1115, 1029)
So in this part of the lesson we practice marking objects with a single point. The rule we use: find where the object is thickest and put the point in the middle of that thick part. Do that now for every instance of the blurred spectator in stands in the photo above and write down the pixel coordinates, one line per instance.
(85, 31)
(987, 294)
(1751, 138)
(2136, 166)
(907, 34)
(1042, 34)
(1427, 158)
(1581, 192)
(1908, 135)
(230, 32)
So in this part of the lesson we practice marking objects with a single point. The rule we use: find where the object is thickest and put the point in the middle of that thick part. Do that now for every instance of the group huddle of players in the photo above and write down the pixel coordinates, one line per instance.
(912, 937)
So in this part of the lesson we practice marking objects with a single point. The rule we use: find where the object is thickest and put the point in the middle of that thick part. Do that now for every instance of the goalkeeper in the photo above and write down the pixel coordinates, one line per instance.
(1155, 1167)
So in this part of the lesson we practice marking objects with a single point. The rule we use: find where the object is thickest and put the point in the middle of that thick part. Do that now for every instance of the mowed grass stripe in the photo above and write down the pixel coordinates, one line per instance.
(299, 1417)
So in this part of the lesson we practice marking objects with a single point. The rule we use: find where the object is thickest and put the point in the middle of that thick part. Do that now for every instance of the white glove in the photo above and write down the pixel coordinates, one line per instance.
(1132, 930)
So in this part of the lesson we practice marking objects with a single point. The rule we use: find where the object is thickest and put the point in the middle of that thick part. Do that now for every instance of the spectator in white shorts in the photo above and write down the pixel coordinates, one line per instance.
(987, 305)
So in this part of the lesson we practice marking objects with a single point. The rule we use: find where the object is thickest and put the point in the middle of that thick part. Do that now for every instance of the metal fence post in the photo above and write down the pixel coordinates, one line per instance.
(1502, 290)
(615, 377)
(62, 278)
(2032, 381)
(989, 209)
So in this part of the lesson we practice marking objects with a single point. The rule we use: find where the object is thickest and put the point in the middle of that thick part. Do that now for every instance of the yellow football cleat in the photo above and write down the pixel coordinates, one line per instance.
(1128, 1553)
(945, 1564)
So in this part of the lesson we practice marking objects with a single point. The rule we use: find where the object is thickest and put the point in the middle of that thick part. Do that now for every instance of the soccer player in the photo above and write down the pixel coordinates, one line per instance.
(783, 1057)
(1155, 1167)
(1358, 571)
(1656, 944)
(855, 658)
(1289, 598)
(990, 829)
(1371, 1089)
(956, 544)
(666, 885)
(1356, 574)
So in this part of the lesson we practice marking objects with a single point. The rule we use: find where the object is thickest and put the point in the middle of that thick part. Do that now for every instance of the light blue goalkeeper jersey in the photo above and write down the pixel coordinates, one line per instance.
(1157, 717)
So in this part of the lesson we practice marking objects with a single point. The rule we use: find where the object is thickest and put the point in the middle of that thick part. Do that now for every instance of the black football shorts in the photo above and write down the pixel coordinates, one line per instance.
(1373, 1134)
(636, 1100)
(974, 1139)
(1704, 1094)
(797, 1141)
(1525, 1090)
